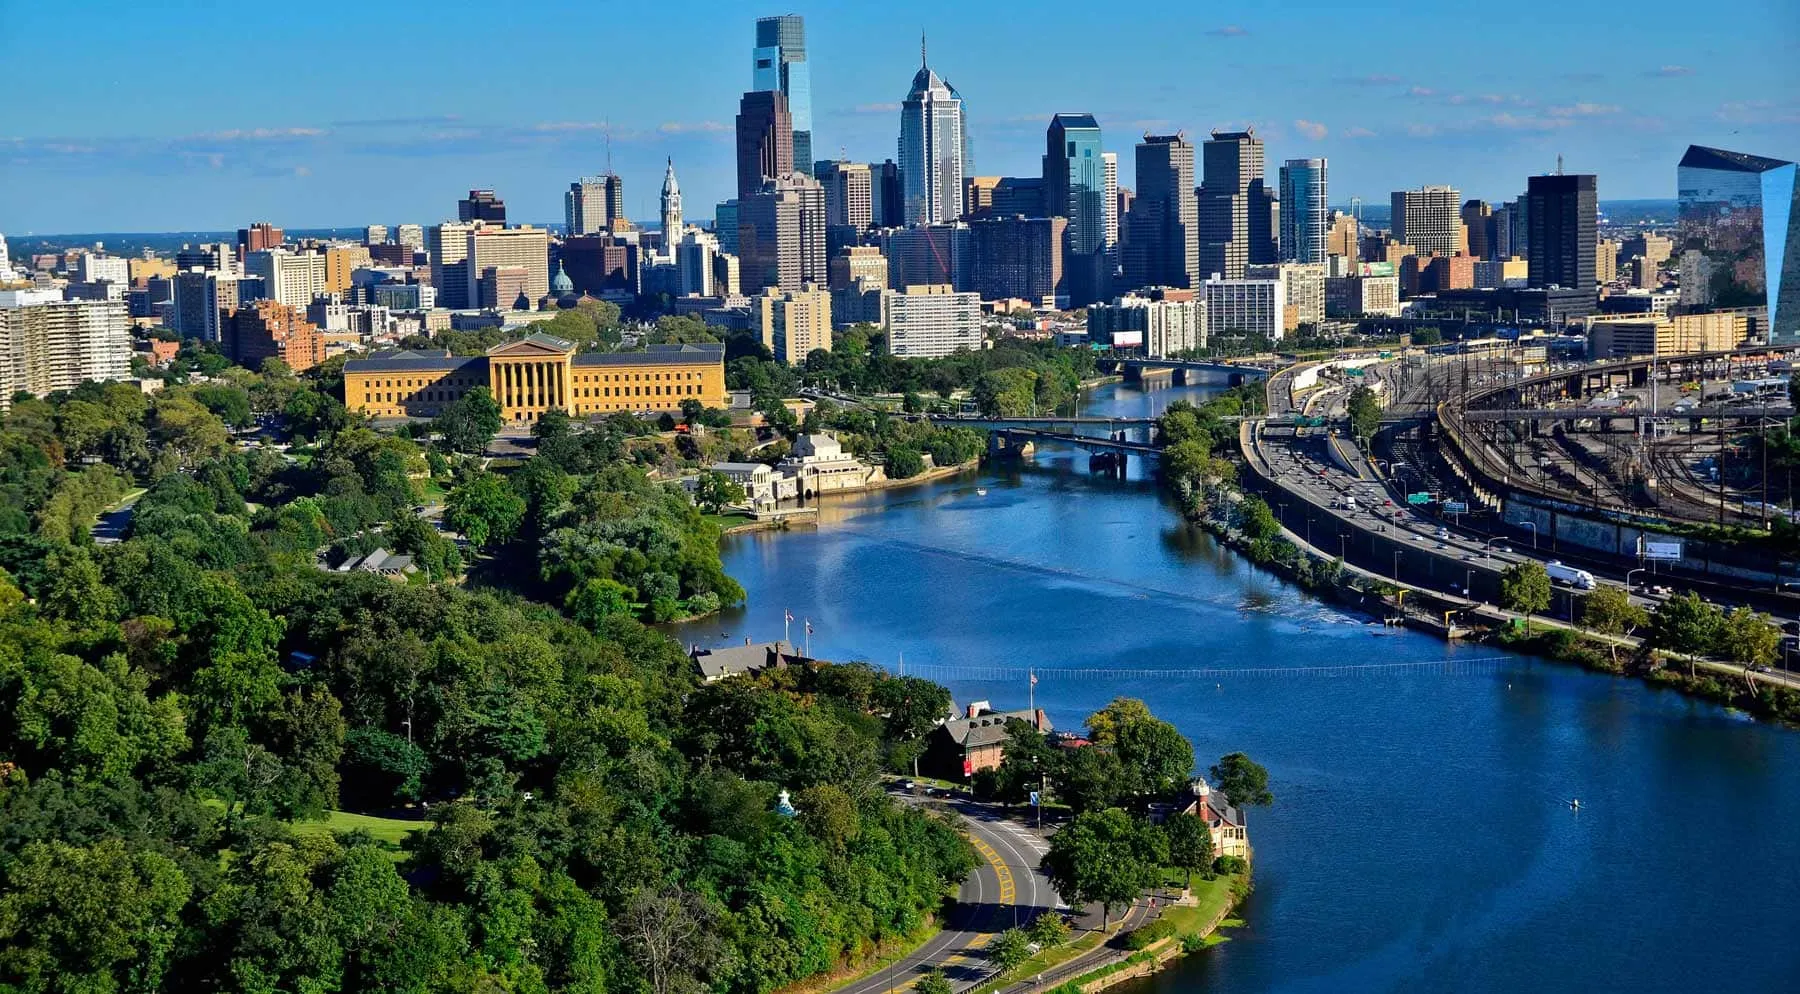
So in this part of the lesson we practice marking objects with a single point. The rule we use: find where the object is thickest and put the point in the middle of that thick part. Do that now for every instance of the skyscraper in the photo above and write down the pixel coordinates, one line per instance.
(1563, 215)
(1740, 222)
(781, 234)
(671, 210)
(849, 193)
(780, 66)
(481, 205)
(1478, 217)
(1110, 164)
(448, 246)
(1075, 188)
(887, 203)
(765, 140)
(1428, 219)
(1165, 238)
(593, 203)
(1236, 209)
(932, 144)
(1305, 215)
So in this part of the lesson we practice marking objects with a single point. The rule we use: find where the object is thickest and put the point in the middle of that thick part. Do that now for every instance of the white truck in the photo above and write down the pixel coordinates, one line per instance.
(1580, 579)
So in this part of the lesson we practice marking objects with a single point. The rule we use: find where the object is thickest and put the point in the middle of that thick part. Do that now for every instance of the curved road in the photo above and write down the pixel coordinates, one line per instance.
(1007, 889)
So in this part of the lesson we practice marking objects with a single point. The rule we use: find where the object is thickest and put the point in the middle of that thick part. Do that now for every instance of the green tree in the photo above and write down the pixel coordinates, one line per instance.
(1365, 412)
(715, 491)
(1010, 948)
(904, 462)
(1525, 588)
(485, 510)
(1609, 610)
(1243, 780)
(932, 981)
(96, 918)
(1748, 637)
(1049, 929)
(1104, 857)
(1190, 844)
(691, 409)
(596, 600)
(470, 423)
(1686, 623)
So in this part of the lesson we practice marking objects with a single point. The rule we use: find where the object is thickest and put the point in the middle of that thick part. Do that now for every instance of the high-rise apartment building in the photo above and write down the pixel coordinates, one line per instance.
(1606, 261)
(481, 205)
(1305, 211)
(793, 322)
(1304, 285)
(375, 234)
(781, 234)
(849, 194)
(1342, 237)
(91, 267)
(1109, 162)
(697, 263)
(929, 322)
(258, 237)
(494, 248)
(779, 65)
(410, 235)
(59, 345)
(1171, 320)
(342, 260)
(448, 246)
(933, 150)
(1020, 257)
(1237, 211)
(1429, 219)
(888, 199)
(1740, 217)
(765, 141)
(1564, 215)
(293, 278)
(270, 330)
(1237, 308)
(204, 299)
(593, 204)
(929, 255)
(1165, 234)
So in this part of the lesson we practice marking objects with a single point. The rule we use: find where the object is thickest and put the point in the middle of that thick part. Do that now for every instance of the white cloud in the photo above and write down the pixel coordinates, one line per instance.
(882, 108)
(1421, 91)
(1671, 71)
(1311, 129)
(1583, 109)
(1228, 31)
(1358, 132)
(691, 127)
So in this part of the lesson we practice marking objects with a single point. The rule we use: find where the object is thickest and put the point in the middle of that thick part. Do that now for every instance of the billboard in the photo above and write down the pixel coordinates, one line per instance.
(1127, 339)
(1661, 549)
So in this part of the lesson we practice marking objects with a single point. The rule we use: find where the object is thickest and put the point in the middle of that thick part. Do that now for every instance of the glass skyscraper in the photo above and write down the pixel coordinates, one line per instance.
(1075, 180)
(932, 150)
(1742, 212)
(780, 65)
(1304, 214)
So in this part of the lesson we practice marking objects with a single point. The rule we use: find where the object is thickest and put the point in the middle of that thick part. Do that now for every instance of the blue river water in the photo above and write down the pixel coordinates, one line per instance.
(1421, 838)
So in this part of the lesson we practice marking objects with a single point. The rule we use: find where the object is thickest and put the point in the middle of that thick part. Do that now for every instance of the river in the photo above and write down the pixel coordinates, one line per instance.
(1421, 838)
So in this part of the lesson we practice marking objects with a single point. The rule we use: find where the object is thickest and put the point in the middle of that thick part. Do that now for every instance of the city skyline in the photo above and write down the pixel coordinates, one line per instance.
(101, 155)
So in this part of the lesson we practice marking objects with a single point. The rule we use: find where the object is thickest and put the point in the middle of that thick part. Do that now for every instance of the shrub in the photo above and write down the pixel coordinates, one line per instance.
(1229, 864)
(1155, 932)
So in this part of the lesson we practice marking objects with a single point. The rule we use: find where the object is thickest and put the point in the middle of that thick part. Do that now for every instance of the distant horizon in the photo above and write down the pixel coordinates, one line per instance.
(116, 145)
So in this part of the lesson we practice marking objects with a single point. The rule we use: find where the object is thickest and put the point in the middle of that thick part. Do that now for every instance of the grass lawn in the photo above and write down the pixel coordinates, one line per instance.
(389, 830)
(729, 520)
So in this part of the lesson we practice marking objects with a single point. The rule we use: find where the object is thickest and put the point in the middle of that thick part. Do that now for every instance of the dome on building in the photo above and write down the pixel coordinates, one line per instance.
(560, 284)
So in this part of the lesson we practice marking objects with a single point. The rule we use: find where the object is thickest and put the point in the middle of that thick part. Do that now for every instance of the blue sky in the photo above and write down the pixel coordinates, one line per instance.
(207, 115)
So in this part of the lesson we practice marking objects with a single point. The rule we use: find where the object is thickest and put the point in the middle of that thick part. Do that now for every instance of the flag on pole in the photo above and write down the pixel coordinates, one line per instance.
(790, 615)
(1033, 680)
(809, 626)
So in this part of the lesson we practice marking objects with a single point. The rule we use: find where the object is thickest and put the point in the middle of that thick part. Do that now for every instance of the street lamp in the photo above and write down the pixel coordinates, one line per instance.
(1396, 565)
(1343, 538)
(1628, 574)
(1533, 526)
(1488, 547)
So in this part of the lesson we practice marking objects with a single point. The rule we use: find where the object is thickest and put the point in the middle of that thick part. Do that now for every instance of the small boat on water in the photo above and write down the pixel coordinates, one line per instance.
(981, 491)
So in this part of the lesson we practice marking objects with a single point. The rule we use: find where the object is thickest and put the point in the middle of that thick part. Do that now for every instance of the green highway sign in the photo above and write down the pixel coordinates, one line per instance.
(1419, 498)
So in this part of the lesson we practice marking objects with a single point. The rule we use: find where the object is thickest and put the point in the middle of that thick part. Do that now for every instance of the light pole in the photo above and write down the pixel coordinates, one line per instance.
(1488, 547)
(1396, 566)
(1533, 526)
(1628, 574)
(1343, 539)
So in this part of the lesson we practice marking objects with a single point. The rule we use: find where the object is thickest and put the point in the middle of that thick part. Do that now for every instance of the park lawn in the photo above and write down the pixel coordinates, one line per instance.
(1212, 896)
(729, 520)
(391, 831)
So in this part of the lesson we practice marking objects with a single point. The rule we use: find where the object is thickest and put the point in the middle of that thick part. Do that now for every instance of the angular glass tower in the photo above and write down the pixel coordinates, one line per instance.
(780, 65)
(933, 149)
(1075, 180)
(1304, 214)
(1743, 212)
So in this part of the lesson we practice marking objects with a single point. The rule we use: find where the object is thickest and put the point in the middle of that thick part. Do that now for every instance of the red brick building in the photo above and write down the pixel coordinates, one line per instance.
(268, 329)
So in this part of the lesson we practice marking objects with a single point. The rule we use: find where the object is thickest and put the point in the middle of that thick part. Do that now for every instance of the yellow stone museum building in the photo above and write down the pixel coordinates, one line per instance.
(534, 374)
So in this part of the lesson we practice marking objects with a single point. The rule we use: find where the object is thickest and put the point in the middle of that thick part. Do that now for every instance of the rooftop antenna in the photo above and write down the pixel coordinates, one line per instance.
(1559, 171)
(607, 130)
(922, 63)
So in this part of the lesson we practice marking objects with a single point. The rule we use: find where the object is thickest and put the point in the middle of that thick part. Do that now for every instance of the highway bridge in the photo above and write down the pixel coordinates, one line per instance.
(1187, 370)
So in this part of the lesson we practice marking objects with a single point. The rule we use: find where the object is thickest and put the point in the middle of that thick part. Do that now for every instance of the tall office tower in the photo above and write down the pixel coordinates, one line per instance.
(849, 193)
(1478, 218)
(212, 255)
(203, 300)
(671, 210)
(1019, 195)
(781, 234)
(493, 248)
(410, 235)
(1341, 238)
(58, 345)
(1606, 261)
(1122, 210)
(1165, 234)
(1305, 211)
(1075, 188)
(887, 206)
(932, 149)
(375, 234)
(780, 66)
(1110, 164)
(1236, 209)
(978, 195)
(1428, 219)
(481, 205)
(765, 140)
(589, 204)
(695, 257)
(448, 246)
(1020, 257)
(1564, 214)
(725, 225)
(293, 278)
(1740, 217)
(929, 254)
(259, 236)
